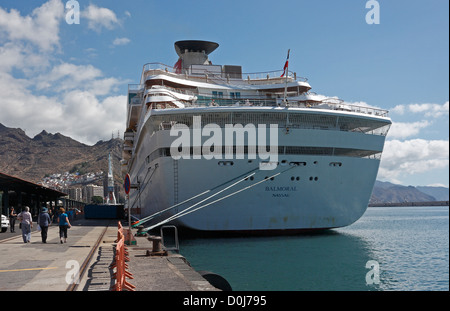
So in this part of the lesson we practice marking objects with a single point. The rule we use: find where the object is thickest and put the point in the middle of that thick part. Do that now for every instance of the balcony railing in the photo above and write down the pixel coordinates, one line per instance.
(153, 68)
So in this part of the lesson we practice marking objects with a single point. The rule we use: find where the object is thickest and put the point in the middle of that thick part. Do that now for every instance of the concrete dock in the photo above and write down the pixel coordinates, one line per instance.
(54, 266)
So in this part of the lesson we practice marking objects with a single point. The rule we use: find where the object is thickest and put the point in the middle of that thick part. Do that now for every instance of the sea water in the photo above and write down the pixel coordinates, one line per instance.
(389, 248)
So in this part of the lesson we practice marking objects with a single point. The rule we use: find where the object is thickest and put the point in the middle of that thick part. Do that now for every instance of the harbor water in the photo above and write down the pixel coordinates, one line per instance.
(389, 248)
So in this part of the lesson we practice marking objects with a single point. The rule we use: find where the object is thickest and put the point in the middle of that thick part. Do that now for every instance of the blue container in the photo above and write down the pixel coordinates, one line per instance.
(103, 211)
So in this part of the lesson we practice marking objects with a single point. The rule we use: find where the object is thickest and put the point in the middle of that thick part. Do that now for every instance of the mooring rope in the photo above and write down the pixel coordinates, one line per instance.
(188, 210)
(150, 217)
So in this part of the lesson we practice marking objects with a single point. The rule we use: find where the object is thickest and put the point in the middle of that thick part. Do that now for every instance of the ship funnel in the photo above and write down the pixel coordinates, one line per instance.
(194, 52)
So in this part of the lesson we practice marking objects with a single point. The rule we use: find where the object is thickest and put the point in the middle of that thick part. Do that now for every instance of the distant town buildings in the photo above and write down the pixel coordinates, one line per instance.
(93, 191)
(80, 187)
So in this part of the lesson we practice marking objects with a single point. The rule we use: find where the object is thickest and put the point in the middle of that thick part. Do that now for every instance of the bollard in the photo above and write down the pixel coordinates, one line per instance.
(156, 247)
(139, 232)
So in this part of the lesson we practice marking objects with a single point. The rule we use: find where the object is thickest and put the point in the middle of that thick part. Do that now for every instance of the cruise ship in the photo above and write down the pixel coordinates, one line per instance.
(209, 147)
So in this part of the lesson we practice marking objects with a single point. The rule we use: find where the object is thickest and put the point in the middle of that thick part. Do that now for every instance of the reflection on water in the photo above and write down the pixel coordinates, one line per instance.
(409, 244)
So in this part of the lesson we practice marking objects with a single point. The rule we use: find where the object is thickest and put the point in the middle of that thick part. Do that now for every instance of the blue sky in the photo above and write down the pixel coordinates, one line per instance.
(73, 79)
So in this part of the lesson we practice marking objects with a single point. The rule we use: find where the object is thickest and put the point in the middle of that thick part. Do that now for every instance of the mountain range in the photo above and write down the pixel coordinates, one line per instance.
(386, 192)
(33, 158)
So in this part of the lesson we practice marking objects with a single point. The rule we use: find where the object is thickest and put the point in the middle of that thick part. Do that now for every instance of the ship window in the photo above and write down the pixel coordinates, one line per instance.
(235, 95)
(335, 163)
(297, 163)
(216, 94)
(225, 163)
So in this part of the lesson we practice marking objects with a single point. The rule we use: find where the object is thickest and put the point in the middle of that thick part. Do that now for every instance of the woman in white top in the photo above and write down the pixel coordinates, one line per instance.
(26, 223)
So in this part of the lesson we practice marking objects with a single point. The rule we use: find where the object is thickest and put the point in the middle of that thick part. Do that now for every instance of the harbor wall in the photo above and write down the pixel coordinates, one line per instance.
(432, 203)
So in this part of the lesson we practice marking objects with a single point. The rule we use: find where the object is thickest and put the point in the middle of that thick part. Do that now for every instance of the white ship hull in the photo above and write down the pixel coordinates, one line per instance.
(281, 204)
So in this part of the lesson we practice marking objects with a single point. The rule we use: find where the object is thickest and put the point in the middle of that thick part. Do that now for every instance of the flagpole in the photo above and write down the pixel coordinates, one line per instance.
(286, 80)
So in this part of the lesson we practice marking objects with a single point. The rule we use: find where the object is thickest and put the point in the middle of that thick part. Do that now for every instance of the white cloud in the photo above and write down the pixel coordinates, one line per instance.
(41, 28)
(404, 130)
(99, 18)
(79, 114)
(399, 109)
(66, 77)
(430, 110)
(89, 119)
(121, 41)
(406, 158)
(427, 109)
(42, 91)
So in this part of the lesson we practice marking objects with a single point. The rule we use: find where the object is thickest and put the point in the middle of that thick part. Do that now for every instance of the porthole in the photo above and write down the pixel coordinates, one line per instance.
(336, 164)
(297, 163)
(225, 163)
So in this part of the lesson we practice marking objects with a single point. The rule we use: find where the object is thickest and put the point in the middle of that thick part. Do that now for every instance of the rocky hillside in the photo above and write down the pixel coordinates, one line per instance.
(385, 192)
(33, 158)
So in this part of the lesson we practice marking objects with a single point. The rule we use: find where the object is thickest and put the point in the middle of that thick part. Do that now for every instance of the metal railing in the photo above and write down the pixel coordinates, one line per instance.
(204, 100)
(152, 68)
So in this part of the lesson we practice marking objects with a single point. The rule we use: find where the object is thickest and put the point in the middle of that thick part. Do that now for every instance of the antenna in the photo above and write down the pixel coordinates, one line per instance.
(111, 197)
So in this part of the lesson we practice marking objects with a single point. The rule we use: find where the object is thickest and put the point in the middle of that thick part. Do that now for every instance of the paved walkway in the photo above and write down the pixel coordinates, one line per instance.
(162, 273)
(53, 266)
(37, 266)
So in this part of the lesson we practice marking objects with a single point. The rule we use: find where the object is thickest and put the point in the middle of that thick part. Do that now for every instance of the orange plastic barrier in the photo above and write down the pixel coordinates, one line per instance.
(119, 264)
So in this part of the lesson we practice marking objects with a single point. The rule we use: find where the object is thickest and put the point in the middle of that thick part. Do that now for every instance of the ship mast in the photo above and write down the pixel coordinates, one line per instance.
(111, 197)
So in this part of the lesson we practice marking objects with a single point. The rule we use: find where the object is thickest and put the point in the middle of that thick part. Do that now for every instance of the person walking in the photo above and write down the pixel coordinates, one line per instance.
(12, 219)
(44, 221)
(63, 225)
(26, 223)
